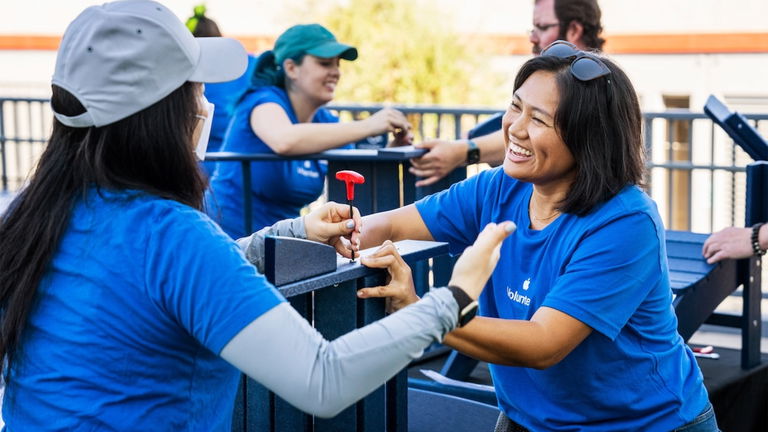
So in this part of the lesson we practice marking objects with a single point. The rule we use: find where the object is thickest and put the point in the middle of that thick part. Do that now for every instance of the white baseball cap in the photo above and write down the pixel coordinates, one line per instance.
(122, 57)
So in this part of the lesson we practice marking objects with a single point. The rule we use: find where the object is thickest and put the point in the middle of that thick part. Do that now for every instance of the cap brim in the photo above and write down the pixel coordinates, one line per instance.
(221, 59)
(334, 49)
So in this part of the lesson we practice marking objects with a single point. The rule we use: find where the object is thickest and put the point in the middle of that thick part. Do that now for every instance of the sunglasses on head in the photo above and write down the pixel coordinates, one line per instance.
(585, 66)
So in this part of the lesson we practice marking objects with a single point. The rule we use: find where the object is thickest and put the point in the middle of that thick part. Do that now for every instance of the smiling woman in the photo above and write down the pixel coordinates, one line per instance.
(580, 303)
(283, 113)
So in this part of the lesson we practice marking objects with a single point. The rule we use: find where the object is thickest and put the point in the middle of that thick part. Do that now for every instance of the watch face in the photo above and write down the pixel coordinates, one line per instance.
(473, 156)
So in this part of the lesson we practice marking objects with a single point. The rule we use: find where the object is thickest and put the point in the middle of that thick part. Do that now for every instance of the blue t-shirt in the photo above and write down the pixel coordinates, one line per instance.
(141, 296)
(607, 269)
(224, 96)
(279, 189)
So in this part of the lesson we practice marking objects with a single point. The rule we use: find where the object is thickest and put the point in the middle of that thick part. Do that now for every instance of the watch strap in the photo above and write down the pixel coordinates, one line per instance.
(473, 152)
(467, 306)
(755, 238)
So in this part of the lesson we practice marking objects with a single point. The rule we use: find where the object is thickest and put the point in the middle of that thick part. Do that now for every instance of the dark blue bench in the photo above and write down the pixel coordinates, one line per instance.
(330, 303)
(430, 411)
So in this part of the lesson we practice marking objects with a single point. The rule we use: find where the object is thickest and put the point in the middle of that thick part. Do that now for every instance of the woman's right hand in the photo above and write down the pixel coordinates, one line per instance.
(474, 267)
(388, 120)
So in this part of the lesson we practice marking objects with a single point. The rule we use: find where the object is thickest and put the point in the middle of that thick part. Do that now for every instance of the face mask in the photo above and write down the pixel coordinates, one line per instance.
(205, 133)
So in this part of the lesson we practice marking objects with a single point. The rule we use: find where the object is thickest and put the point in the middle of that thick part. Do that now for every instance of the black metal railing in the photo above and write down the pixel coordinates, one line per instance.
(695, 173)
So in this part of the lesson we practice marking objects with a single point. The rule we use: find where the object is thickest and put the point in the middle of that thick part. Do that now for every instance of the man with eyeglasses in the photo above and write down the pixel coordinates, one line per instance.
(576, 21)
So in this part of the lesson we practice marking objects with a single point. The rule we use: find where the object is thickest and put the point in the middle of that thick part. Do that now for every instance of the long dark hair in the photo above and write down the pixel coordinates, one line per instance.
(267, 72)
(600, 123)
(150, 151)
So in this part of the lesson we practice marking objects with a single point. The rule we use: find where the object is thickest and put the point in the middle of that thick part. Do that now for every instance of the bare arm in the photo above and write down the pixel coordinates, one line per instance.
(445, 156)
(270, 122)
(544, 341)
(399, 224)
(541, 342)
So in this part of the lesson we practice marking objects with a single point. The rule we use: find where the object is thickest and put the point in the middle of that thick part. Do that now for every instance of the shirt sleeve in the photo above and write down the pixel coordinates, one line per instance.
(610, 274)
(253, 245)
(323, 115)
(453, 215)
(326, 377)
(198, 276)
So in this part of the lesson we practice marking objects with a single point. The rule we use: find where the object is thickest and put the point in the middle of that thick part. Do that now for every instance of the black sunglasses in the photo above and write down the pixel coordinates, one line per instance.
(585, 66)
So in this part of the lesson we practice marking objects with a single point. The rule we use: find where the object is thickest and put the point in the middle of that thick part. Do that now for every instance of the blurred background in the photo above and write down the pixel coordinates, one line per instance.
(455, 52)
(463, 55)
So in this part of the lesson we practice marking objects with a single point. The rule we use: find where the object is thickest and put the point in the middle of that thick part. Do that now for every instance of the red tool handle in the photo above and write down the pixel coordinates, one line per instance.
(350, 178)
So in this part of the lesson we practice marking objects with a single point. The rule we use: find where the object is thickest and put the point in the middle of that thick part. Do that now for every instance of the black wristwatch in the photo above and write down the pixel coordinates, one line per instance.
(467, 306)
(473, 153)
(758, 251)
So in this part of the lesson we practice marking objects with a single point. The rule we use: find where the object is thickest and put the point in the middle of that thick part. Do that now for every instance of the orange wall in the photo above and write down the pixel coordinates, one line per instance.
(701, 43)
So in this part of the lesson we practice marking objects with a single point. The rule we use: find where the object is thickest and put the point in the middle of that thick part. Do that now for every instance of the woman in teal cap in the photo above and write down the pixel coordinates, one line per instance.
(283, 113)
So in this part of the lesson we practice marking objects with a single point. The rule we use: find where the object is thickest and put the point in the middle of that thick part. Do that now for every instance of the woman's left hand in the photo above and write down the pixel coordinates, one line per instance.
(399, 290)
(332, 224)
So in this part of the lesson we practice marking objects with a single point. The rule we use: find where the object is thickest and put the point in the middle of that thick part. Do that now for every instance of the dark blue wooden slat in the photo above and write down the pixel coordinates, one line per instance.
(387, 193)
(400, 152)
(411, 250)
(698, 266)
(371, 411)
(389, 154)
(750, 274)
(739, 129)
(335, 313)
(397, 403)
(684, 278)
(685, 236)
(684, 250)
(430, 411)
(283, 416)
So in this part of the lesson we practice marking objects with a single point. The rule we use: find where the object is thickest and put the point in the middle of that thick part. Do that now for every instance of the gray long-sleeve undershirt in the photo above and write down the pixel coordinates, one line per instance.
(283, 352)
(321, 377)
(253, 245)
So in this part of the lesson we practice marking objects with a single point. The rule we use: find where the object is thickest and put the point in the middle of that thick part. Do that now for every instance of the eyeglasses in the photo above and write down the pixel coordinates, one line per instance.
(541, 28)
(585, 66)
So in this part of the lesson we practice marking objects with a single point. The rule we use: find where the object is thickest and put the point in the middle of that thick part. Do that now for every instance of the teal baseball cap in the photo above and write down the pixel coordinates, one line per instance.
(312, 39)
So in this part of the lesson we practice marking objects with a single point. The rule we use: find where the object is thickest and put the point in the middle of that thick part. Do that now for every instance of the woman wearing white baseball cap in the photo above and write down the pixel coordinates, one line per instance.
(122, 307)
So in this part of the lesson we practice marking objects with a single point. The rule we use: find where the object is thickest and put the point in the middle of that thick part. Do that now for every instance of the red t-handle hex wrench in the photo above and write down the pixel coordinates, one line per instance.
(350, 178)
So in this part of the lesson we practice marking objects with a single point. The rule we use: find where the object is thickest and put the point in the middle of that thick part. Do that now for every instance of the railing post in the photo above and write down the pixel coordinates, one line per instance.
(247, 198)
(3, 163)
(751, 269)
